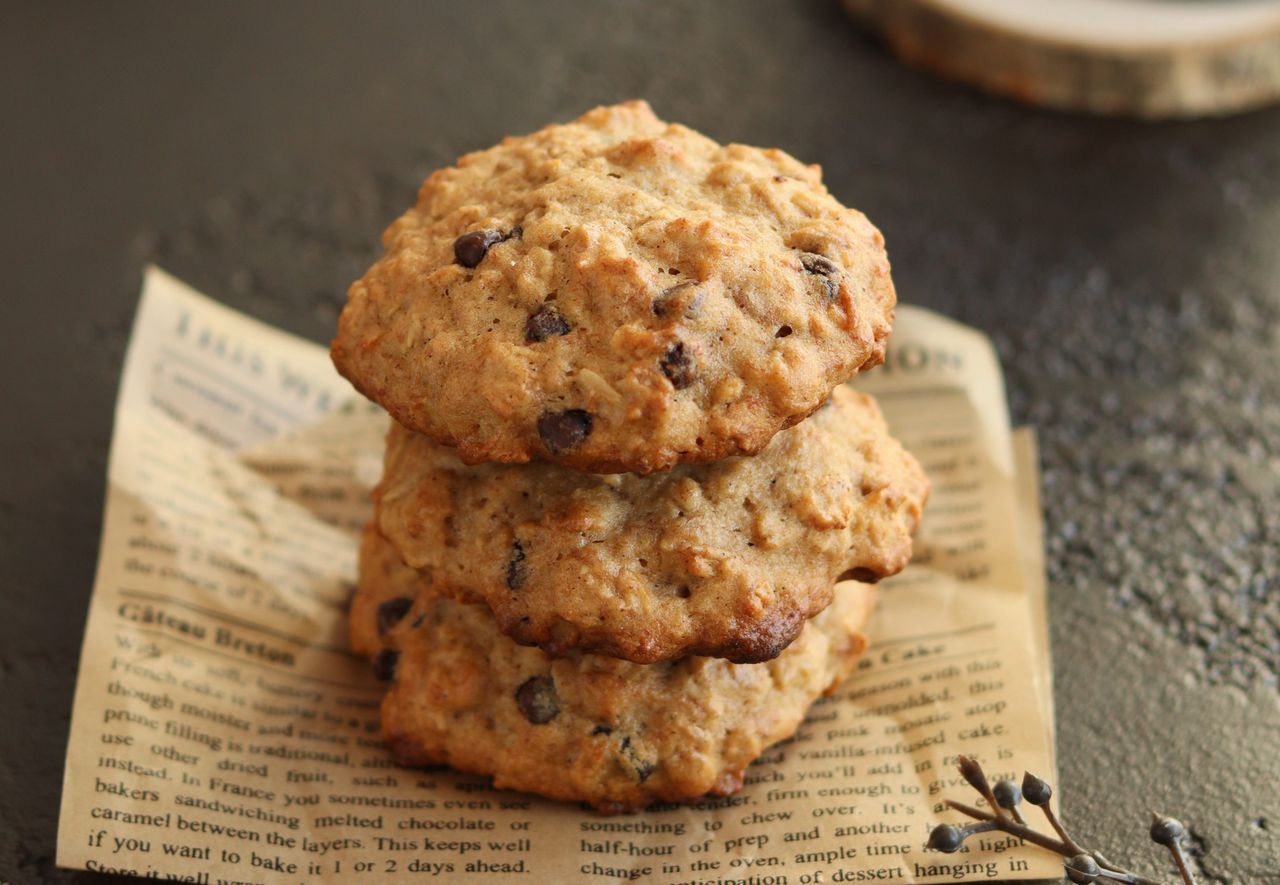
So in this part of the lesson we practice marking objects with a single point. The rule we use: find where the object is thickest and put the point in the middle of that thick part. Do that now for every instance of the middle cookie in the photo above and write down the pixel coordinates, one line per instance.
(726, 559)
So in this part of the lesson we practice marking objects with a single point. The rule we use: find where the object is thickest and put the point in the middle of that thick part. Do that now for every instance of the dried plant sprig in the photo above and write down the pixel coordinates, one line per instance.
(1081, 865)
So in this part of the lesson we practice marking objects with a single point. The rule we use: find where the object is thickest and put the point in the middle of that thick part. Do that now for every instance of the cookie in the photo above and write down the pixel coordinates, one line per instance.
(582, 727)
(725, 559)
(616, 294)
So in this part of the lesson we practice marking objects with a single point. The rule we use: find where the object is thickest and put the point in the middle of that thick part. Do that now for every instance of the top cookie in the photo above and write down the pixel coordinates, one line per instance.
(616, 294)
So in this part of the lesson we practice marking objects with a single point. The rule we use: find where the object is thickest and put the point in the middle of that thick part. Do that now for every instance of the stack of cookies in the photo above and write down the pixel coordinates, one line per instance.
(624, 475)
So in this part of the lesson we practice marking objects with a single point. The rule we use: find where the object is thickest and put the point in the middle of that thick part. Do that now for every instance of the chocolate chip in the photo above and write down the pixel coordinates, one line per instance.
(517, 571)
(471, 248)
(678, 366)
(822, 266)
(641, 767)
(543, 323)
(678, 297)
(601, 729)
(391, 611)
(384, 665)
(564, 430)
(783, 331)
(862, 575)
(536, 698)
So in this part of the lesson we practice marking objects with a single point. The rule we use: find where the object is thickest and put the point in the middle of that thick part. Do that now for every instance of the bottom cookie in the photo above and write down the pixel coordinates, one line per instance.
(584, 727)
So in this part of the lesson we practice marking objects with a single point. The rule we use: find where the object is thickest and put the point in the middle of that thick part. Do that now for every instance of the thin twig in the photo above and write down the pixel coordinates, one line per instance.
(1181, 860)
(1061, 830)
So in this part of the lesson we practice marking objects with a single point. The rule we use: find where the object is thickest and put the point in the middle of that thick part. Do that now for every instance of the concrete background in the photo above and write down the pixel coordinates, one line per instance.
(1129, 273)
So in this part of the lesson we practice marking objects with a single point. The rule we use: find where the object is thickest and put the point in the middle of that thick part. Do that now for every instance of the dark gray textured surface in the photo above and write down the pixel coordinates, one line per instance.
(1129, 273)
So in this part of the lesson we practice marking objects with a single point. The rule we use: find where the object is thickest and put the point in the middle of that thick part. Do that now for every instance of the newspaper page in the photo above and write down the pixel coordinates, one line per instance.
(222, 732)
(1026, 455)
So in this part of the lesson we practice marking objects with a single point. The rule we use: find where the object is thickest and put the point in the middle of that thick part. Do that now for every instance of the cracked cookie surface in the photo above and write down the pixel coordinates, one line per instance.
(726, 559)
(616, 294)
(582, 727)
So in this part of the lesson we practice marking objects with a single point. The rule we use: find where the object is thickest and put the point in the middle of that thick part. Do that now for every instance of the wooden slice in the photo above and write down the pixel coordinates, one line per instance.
(1145, 58)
